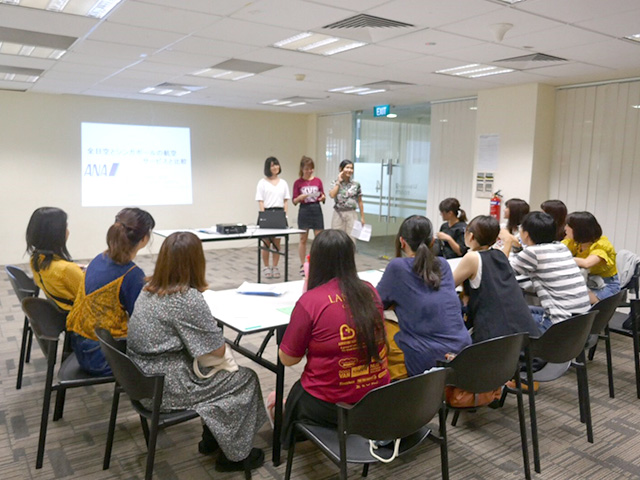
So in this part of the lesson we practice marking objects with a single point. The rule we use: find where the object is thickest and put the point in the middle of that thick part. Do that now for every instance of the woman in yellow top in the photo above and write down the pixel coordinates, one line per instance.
(53, 271)
(593, 251)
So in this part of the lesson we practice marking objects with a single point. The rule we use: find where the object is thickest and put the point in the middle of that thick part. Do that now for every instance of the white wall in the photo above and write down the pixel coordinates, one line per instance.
(40, 163)
(522, 117)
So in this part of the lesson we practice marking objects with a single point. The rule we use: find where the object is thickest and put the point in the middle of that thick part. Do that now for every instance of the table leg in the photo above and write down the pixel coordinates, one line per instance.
(286, 258)
(277, 422)
(259, 252)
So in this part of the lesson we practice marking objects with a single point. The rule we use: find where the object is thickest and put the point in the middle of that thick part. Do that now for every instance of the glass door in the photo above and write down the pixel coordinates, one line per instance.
(392, 165)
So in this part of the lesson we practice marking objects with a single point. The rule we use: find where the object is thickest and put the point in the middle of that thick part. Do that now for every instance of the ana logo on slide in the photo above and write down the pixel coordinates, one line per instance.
(101, 170)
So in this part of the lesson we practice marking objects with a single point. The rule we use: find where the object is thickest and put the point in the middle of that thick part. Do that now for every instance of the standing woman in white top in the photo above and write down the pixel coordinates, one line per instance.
(272, 193)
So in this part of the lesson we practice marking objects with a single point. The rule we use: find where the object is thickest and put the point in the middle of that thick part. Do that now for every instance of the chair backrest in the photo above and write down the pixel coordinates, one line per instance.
(134, 381)
(399, 408)
(565, 340)
(605, 309)
(487, 365)
(47, 322)
(22, 284)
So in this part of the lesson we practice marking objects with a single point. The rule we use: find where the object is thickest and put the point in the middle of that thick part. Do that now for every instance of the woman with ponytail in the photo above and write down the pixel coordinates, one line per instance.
(338, 325)
(451, 234)
(111, 286)
(53, 271)
(419, 287)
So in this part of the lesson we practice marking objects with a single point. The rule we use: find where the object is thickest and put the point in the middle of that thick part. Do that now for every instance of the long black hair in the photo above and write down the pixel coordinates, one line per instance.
(518, 208)
(47, 236)
(333, 256)
(417, 231)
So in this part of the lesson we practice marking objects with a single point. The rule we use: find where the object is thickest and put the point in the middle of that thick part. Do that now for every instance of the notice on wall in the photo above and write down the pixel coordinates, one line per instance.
(488, 149)
(484, 184)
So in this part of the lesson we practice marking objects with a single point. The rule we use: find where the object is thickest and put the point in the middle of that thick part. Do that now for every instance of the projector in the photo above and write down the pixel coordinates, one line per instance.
(228, 228)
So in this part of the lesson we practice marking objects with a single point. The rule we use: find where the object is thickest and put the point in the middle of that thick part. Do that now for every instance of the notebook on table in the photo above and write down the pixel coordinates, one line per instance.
(272, 219)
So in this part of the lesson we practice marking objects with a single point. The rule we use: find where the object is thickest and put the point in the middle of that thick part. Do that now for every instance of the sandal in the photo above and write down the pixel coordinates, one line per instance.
(302, 270)
(275, 273)
(266, 272)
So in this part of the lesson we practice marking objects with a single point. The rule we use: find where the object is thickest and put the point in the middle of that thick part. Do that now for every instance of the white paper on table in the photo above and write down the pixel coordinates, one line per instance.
(361, 231)
(273, 290)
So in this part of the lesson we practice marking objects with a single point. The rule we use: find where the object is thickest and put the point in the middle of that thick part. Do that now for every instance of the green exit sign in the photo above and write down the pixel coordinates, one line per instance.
(381, 111)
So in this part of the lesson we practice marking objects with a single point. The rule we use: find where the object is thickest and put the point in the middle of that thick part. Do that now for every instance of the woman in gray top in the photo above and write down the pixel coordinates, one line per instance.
(170, 326)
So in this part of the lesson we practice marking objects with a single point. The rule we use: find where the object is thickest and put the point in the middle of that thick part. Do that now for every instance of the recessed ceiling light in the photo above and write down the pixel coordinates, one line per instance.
(392, 115)
(318, 44)
(290, 101)
(219, 74)
(91, 8)
(9, 48)
(510, 2)
(19, 74)
(473, 108)
(172, 89)
(474, 70)
(635, 106)
(635, 38)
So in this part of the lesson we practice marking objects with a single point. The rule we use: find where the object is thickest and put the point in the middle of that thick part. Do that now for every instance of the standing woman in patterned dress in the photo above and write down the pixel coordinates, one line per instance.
(348, 196)
(171, 325)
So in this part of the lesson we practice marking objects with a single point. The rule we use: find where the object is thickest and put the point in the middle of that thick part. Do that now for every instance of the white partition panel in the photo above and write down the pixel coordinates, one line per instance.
(596, 158)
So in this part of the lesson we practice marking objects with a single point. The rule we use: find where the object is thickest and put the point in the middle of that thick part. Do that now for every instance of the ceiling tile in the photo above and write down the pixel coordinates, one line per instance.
(159, 17)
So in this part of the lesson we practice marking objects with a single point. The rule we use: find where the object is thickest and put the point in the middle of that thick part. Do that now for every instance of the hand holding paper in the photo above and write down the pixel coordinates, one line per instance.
(361, 231)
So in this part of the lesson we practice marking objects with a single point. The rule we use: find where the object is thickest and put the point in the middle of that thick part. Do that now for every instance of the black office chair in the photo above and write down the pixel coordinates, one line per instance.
(486, 366)
(24, 287)
(629, 326)
(139, 386)
(399, 410)
(600, 331)
(562, 342)
(47, 323)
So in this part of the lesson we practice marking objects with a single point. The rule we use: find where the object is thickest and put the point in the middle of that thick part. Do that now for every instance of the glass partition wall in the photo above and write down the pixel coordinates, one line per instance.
(392, 165)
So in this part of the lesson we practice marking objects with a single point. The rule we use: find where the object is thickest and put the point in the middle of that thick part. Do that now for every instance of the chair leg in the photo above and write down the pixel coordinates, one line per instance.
(23, 352)
(112, 428)
(151, 449)
(583, 386)
(592, 351)
(27, 357)
(532, 416)
(365, 470)
(145, 429)
(636, 352)
(444, 449)
(454, 420)
(607, 343)
(523, 428)
(59, 408)
(46, 403)
(292, 448)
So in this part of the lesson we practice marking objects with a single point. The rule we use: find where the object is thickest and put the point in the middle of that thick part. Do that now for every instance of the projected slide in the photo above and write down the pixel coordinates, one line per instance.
(133, 165)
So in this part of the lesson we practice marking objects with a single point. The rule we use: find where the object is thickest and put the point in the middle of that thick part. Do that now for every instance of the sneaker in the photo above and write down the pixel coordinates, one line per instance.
(255, 459)
(525, 388)
(266, 272)
(275, 273)
(302, 270)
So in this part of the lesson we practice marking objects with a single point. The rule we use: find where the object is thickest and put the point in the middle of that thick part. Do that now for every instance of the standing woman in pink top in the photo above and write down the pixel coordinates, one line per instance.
(308, 192)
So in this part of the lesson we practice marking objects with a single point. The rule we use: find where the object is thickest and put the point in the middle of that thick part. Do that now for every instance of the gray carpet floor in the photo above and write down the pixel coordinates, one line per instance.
(484, 445)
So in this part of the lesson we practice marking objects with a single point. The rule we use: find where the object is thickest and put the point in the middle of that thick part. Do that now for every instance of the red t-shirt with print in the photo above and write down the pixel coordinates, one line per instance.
(320, 328)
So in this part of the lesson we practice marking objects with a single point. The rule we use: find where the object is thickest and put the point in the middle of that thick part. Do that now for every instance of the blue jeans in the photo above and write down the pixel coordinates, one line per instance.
(611, 287)
(90, 356)
(543, 321)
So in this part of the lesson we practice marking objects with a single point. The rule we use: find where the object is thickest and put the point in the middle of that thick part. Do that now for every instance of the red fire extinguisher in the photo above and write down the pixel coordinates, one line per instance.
(494, 205)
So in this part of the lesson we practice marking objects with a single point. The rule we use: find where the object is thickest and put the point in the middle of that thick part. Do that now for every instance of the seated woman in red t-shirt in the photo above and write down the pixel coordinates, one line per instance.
(338, 324)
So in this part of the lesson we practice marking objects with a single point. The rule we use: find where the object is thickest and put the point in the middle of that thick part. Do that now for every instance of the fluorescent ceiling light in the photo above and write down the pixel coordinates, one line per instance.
(172, 89)
(634, 38)
(474, 70)
(13, 77)
(357, 90)
(635, 106)
(220, 74)
(85, 8)
(510, 2)
(392, 115)
(19, 74)
(10, 48)
(318, 44)
(290, 101)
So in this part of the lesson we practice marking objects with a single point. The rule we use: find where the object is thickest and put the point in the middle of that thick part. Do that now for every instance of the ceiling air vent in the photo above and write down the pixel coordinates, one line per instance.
(367, 21)
(533, 60)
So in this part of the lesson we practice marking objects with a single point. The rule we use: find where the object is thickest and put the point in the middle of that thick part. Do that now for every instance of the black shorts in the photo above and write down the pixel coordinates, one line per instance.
(310, 217)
